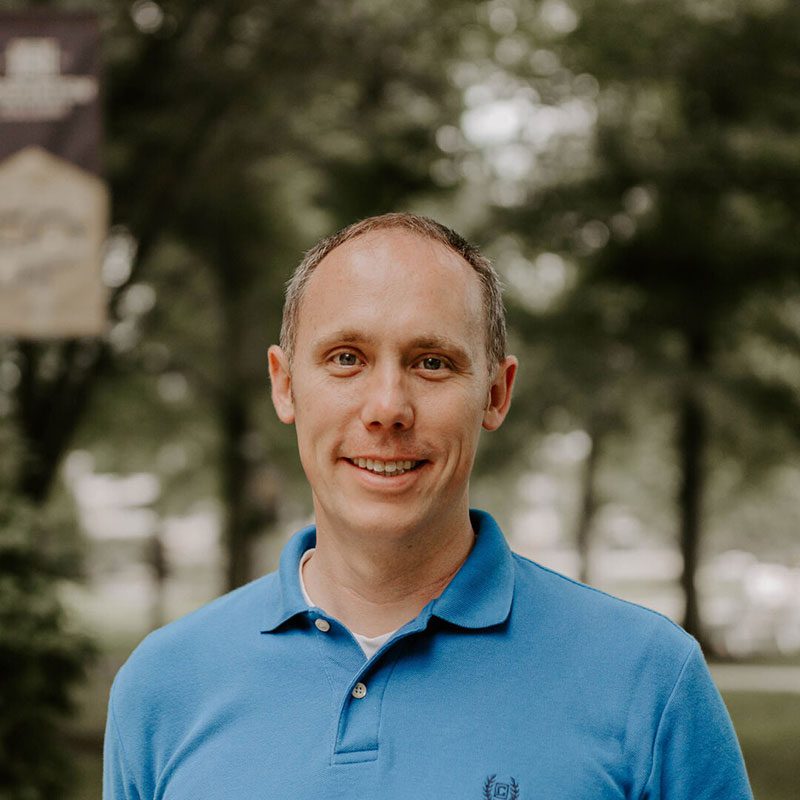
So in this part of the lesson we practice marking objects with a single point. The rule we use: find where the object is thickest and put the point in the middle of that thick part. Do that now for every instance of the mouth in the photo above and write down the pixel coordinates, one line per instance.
(386, 468)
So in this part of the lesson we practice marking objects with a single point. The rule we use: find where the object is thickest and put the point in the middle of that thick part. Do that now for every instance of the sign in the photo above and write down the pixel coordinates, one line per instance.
(53, 204)
(53, 219)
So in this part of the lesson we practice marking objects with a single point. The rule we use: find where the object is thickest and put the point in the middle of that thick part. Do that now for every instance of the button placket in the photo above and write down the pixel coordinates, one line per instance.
(360, 713)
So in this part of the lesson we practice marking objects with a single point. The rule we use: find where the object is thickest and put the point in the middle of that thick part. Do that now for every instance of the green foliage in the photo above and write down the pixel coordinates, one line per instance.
(41, 662)
(682, 217)
(236, 134)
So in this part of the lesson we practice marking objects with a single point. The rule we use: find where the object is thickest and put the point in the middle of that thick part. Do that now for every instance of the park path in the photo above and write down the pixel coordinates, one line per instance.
(756, 678)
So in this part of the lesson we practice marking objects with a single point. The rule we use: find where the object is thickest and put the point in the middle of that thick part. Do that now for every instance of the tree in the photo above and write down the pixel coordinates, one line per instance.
(682, 201)
(237, 133)
(41, 660)
(216, 117)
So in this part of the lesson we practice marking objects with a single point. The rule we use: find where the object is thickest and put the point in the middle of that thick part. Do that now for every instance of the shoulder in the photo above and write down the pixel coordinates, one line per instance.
(182, 650)
(174, 679)
(618, 661)
(600, 623)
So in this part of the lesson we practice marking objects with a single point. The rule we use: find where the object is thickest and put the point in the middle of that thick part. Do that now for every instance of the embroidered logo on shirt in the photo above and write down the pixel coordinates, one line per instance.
(493, 790)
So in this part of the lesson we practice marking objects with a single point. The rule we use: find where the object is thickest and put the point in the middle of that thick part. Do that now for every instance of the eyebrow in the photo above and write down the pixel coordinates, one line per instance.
(423, 342)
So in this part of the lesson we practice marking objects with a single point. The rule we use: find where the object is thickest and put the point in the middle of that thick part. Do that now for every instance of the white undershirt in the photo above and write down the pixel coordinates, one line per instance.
(369, 644)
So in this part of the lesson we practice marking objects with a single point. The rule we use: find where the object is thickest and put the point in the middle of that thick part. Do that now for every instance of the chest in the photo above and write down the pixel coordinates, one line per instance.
(398, 731)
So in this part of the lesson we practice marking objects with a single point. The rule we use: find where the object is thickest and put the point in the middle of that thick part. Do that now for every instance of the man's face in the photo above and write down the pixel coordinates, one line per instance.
(389, 384)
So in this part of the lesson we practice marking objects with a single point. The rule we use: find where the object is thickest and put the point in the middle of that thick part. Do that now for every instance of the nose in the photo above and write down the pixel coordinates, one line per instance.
(386, 402)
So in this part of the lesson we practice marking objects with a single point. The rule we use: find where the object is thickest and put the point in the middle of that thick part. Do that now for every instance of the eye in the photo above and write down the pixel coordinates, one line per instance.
(432, 363)
(345, 359)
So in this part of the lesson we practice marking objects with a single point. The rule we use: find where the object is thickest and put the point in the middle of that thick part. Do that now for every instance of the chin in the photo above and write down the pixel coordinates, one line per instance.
(386, 519)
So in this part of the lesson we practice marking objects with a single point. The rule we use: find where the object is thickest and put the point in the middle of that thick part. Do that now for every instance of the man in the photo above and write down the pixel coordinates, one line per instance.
(401, 650)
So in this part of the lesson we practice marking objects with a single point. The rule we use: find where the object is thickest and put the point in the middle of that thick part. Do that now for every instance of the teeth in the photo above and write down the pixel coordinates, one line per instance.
(387, 467)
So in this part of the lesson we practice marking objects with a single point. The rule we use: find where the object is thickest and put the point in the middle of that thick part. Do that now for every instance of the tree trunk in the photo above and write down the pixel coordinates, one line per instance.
(236, 536)
(692, 436)
(588, 507)
(156, 558)
(234, 416)
(50, 410)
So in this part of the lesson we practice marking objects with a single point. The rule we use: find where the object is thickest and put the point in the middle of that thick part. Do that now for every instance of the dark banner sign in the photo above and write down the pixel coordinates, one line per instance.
(53, 205)
(49, 85)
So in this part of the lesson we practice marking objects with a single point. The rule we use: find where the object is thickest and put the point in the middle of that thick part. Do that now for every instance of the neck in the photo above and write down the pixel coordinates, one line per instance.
(378, 586)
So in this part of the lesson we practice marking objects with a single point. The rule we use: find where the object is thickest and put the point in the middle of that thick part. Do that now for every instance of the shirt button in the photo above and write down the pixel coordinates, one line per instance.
(359, 691)
(322, 625)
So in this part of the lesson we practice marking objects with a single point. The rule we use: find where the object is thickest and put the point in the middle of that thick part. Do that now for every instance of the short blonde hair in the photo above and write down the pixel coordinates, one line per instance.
(423, 226)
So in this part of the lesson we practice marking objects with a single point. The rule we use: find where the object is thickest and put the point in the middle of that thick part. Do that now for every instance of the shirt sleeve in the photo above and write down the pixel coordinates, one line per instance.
(118, 783)
(696, 755)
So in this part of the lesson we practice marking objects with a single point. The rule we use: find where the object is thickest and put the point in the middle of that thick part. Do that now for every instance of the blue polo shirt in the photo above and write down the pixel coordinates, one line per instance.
(515, 683)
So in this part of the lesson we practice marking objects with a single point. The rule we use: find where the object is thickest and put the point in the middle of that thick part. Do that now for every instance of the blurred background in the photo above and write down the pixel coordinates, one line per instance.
(633, 169)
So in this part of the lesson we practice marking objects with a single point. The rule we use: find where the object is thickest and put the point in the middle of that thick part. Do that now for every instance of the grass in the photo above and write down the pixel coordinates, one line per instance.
(89, 773)
(768, 726)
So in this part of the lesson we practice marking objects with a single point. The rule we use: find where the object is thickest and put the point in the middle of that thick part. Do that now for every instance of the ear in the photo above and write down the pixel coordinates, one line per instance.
(499, 398)
(281, 379)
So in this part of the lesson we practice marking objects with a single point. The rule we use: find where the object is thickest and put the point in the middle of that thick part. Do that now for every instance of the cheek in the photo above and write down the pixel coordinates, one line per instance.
(315, 397)
(460, 409)
(456, 423)
(322, 417)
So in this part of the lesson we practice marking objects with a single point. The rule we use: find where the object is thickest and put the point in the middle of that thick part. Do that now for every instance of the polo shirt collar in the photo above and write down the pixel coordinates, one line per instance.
(481, 592)
(284, 598)
(479, 595)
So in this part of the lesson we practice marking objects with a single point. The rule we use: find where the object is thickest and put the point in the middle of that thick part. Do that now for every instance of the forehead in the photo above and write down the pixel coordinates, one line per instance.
(393, 279)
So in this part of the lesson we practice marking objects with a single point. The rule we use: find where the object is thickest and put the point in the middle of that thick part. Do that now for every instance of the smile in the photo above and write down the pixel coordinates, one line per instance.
(385, 468)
